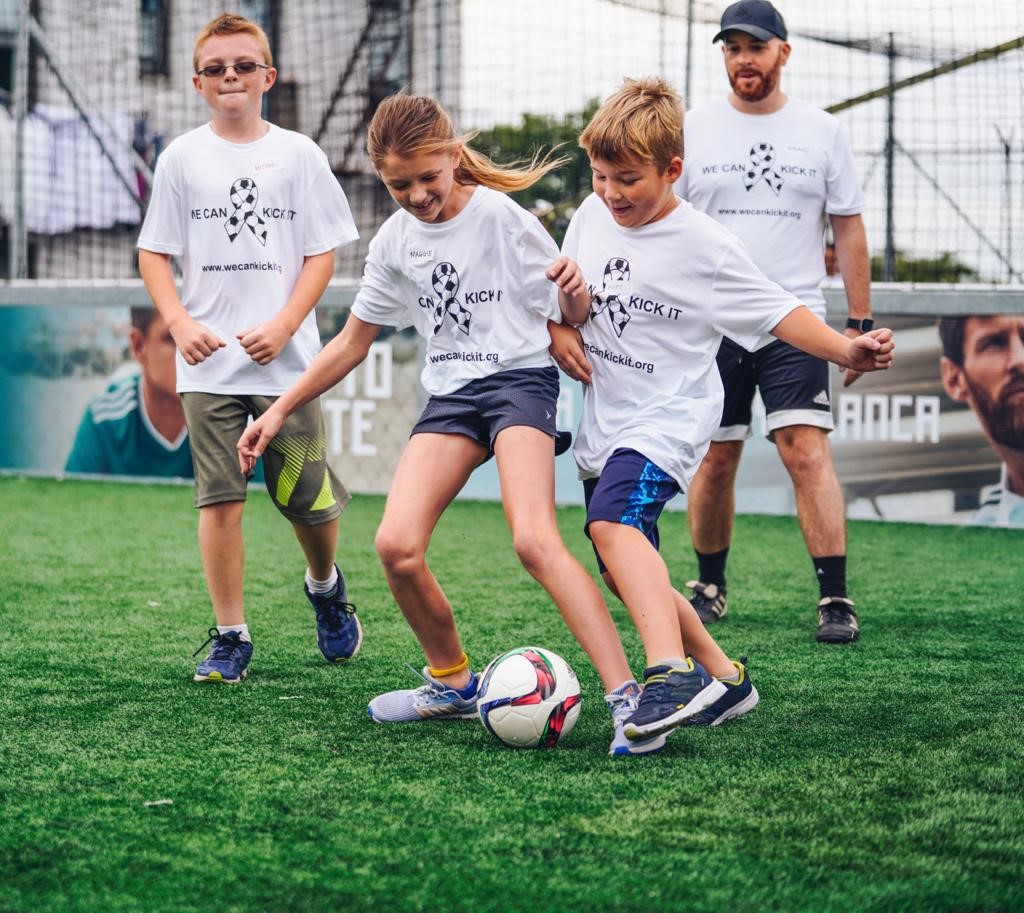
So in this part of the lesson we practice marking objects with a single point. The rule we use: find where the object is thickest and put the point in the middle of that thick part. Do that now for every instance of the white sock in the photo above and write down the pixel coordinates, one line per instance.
(322, 586)
(243, 631)
(675, 662)
(626, 684)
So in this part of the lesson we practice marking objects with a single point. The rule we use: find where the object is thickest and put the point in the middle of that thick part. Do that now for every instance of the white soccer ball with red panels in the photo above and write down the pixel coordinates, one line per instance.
(529, 698)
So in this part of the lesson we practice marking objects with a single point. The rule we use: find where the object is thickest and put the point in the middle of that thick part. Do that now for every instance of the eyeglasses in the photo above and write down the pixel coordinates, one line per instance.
(242, 68)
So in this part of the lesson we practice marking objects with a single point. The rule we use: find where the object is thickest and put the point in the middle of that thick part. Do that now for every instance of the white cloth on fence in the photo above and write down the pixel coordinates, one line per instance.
(68, 181)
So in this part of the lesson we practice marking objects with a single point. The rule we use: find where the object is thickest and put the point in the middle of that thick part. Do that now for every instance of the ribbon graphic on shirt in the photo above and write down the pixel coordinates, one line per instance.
(243, 197)
(445, 280)
(616, 275)
(762, 160)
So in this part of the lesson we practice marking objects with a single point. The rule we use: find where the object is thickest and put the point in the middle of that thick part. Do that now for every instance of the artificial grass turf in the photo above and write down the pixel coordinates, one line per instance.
(885, 775)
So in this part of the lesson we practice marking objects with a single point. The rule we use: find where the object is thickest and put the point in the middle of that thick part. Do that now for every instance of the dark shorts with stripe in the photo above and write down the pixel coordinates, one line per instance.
(631, 490)
(795, 388)
(487, 405)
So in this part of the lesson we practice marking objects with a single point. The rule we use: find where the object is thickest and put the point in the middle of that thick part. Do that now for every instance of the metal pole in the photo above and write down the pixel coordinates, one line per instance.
(439, 49)
(889, 273)
(688, 79)
(1007, 142)
(17, 241)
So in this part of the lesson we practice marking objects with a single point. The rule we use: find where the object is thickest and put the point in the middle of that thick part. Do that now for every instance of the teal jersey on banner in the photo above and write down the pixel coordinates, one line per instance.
(116, 437)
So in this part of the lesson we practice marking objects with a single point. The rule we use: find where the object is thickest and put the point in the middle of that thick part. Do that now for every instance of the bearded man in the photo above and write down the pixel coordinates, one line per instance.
(772, 170)
(983, 365)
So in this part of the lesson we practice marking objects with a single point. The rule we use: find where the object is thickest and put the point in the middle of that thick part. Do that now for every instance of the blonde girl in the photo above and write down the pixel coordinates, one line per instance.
(477, 276)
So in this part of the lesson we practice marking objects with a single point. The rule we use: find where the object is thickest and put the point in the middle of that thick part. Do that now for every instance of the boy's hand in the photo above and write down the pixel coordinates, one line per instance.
(849, 375)
(567, 350)
(567, 275)
(255, 438)
(871, 352)
(195, 341)
(264, 342)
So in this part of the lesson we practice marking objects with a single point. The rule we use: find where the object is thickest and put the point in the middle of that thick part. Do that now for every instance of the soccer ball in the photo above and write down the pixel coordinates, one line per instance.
(445, 280)
(616, 270)
(529, 698)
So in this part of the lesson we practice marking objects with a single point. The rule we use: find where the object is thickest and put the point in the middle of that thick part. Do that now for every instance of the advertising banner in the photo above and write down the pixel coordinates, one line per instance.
(940, 438)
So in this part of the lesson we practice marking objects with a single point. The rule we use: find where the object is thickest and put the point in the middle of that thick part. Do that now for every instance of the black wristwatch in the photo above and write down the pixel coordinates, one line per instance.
(861, 326)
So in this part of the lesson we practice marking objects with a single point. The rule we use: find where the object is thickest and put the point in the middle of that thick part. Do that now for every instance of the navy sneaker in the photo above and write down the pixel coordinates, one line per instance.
(228, 659)
(708, 600)
(740, 697)
(837, 621)
(670, 695)
(338, 632)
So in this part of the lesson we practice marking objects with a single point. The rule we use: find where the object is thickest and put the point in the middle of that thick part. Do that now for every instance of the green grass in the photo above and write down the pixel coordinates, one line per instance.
(886, 775)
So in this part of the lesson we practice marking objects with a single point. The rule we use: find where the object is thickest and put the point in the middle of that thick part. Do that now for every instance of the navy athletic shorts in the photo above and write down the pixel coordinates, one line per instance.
(630, 490)
(795, 388)
(487, 405)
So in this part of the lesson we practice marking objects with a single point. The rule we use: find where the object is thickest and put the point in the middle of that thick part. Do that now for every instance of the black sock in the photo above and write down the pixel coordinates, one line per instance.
(831, 574)
(711, 567)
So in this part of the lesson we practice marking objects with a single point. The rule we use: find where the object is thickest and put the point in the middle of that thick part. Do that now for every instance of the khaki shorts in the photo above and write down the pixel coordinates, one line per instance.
(301, 484)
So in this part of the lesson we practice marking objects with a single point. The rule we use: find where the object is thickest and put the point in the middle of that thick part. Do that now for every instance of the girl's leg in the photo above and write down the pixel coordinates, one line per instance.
(525, 458)
(431, 471)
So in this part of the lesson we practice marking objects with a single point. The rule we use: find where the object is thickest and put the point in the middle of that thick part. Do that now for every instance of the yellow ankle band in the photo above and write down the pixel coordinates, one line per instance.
(460, 666)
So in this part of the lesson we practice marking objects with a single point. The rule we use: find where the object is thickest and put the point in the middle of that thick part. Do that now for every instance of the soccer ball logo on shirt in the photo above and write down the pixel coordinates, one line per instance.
(762, 168)
(244, 196)
(445, 282)
(610, 297)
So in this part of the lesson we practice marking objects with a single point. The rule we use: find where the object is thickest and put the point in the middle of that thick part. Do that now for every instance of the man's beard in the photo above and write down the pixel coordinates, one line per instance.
(769, 82)
(1002, 417)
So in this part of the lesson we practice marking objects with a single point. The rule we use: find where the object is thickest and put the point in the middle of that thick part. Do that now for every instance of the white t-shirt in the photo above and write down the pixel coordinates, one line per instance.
(770, 179)
(664, 295)
(1000, 507)
(243, 217)
(473, 286)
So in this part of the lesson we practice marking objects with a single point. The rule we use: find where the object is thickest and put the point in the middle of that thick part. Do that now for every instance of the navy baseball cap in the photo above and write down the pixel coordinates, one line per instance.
(755, 17)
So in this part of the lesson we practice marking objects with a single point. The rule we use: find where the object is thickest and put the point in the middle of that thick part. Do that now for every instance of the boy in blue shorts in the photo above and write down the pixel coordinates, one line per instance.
(255, 213)
(665, 284)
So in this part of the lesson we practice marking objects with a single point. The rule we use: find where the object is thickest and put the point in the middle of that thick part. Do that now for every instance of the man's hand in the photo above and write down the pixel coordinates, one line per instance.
(264, 342)
(871, 351)
(195, 341)
(567, 350)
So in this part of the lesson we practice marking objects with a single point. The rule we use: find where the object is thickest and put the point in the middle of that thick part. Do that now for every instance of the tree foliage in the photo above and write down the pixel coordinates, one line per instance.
(944, 268)
(556, 195)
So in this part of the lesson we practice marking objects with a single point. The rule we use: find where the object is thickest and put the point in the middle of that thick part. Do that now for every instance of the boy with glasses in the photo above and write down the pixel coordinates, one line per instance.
(255, 213)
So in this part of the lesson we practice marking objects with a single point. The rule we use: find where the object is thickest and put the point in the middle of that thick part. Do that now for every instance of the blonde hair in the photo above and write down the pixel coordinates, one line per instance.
(410, 125)
(232, 24)
(643, 120)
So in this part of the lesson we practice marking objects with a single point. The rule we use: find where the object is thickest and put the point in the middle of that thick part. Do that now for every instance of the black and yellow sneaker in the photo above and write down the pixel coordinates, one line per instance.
(837, 621)
(708, 599)
(671, 694)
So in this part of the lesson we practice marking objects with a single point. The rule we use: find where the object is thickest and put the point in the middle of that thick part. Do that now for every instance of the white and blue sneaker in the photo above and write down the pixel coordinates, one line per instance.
(622, 702)
(433, 700)
(740, 697)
